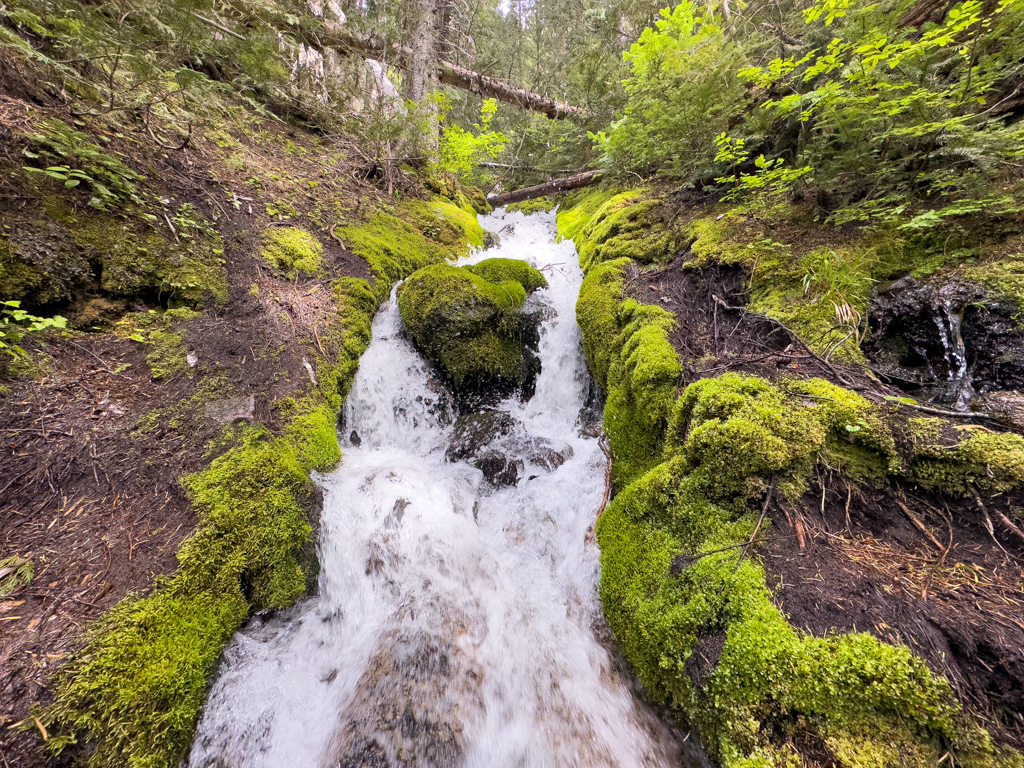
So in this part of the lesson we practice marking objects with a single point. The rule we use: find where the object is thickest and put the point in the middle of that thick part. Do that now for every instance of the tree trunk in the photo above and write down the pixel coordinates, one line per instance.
(550, 188)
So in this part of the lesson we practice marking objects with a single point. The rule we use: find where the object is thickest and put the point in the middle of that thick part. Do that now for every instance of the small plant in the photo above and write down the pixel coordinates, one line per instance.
(760, 189)
(16, 323)
(82, 160)
(461, 149)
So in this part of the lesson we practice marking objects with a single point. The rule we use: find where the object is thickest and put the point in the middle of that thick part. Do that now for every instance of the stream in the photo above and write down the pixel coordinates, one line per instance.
(457, 623)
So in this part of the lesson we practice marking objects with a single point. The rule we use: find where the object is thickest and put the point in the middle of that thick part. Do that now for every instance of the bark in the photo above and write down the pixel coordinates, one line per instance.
(550, 188)
(349, 42)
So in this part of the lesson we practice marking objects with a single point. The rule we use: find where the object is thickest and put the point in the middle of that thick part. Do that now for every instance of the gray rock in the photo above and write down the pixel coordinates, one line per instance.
(1007, 406)
(231, 409)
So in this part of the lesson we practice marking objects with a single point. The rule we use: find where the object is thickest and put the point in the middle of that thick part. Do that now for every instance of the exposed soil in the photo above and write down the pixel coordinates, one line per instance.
(865, 566)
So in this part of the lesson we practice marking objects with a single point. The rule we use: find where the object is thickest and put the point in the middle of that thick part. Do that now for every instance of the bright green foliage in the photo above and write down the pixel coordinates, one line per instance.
(109, 180)
(293, 251)
(468, 325)
(727, 439)
(16, 323)
(461, 149)
(683, 89)
(15, 573)
(606, 225)
(888, 116)
(500, 270)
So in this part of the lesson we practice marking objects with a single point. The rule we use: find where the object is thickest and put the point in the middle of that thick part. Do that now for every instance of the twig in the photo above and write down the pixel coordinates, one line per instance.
(1010, 525)
(221, 27)
(988, 523)
(757, 528)
(920, 526)
(173, 230)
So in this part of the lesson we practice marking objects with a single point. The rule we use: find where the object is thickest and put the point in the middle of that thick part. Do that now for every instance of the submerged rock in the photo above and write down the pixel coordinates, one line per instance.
(472, 322)
(498, 445)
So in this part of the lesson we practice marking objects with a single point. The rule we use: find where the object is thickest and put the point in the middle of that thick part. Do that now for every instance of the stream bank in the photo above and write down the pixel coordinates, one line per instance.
(794, 554)
(160, 450)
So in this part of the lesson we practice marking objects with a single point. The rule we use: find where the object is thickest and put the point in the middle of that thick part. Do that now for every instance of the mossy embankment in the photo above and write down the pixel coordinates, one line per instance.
(726, 440)
(213, 345)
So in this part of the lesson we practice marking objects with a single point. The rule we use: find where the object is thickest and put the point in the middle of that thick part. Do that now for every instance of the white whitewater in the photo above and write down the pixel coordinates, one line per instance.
(456, 624)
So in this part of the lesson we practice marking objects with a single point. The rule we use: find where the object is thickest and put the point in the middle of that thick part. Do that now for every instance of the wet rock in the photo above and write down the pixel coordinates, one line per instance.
(547, 456)
(474, 323)
(231, 409)
(474, 431)
(400, 715)
(945, 339)
(499, 468)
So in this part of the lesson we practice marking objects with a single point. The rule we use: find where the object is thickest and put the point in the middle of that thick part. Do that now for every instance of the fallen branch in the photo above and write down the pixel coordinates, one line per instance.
(548, 188)
(988, 523)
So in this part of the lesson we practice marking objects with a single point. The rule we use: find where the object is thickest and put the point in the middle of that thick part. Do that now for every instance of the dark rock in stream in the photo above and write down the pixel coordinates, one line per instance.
(497, 444)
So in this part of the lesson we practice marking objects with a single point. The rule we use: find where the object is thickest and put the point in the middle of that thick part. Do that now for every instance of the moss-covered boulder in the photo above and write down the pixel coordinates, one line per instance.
(470, 320)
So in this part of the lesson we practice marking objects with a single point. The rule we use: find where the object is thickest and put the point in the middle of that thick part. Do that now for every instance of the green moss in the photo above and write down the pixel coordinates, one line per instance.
(466, 324)
(477, 200)
(447, 224)
(293, 251)
(499, 270)
(537, 205)
(607, 226)
(133, 262)
(136, 689)
(866, 701)
(393, 248)
(982, 460)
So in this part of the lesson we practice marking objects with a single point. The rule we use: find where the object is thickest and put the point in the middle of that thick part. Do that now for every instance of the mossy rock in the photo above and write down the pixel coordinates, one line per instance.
(478, 199)
(500, 270)
(293, 251)
(471, 327)
(537, 205)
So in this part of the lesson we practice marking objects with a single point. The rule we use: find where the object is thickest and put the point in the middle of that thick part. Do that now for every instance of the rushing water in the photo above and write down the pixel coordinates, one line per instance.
(456, 624)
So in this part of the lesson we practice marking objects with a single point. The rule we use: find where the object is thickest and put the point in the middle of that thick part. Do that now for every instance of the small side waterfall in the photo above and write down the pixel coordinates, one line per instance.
(457, 623)
(949, 320)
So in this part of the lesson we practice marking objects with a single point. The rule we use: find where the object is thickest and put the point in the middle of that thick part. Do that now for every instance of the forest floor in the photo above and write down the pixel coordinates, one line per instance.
(94, 445)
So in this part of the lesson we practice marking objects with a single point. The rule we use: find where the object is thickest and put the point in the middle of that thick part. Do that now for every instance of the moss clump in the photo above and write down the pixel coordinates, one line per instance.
(537, 205)
(168, 356)
(447, 224)
(135, 691)
(501, 270)
(468, 325)
(293, 251)
(771, 686)
(982, 460)
(477, 199)
(393, 248)
(627, 347)
(607, 226)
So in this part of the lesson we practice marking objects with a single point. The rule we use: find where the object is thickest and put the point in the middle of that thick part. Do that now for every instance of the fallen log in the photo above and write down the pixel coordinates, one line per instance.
(349, 42)
(549, 188)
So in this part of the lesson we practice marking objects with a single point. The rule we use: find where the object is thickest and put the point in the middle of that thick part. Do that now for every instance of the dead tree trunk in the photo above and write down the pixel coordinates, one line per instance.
(550, 188)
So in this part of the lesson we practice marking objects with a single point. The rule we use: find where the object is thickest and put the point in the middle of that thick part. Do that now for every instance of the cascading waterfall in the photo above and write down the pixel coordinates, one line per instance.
(456, 624)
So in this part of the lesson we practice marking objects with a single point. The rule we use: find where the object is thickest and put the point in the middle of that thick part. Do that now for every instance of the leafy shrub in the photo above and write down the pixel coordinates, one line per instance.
(16, 323)
(683, 89)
